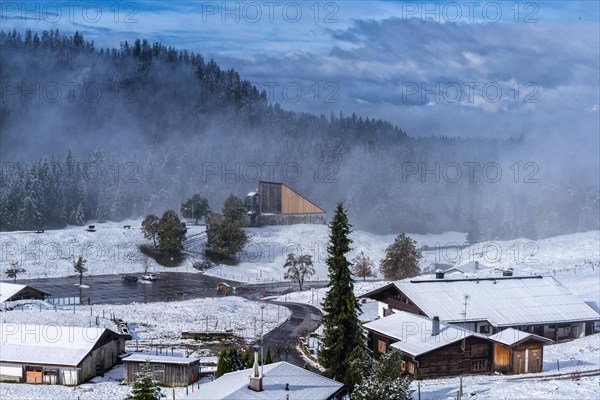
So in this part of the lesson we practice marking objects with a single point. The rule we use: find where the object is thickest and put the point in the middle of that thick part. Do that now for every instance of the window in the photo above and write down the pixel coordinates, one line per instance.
(381, 346)
(158, 368)
(484, 329)
(479, 365)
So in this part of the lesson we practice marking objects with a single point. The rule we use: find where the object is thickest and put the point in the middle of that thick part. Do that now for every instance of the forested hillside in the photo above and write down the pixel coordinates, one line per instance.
(107, 134)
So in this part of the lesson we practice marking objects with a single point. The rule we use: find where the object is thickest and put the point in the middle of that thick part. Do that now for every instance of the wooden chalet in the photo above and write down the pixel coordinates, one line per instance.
(168, 370)
(533, 304)
(430, 349)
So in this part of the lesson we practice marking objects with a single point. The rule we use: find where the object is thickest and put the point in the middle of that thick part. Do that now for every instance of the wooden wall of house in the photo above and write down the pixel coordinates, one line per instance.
(450, 360)
(293, 203)
(101, 358)
(502, 359)
(376, 341)
(168, 374)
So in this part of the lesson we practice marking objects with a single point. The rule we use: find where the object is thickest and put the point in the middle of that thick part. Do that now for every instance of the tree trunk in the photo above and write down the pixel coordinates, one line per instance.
(154, 240)
(300, 284)
(80, 278)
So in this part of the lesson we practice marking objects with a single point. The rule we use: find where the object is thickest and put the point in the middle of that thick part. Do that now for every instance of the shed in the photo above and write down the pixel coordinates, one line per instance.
(168, 370)
(55, 354)
(518, 352)
(13, 292)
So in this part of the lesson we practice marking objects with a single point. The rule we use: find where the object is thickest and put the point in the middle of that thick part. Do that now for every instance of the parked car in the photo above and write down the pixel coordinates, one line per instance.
(149, 277)
(130, 278)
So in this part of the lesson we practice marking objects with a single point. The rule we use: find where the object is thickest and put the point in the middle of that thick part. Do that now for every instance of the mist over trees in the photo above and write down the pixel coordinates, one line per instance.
(110, 134)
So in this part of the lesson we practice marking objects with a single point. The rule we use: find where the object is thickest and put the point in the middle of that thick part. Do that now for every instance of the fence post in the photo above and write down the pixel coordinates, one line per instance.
(419, 390)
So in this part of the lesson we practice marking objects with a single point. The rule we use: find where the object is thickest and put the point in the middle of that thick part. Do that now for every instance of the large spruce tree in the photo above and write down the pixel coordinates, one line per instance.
(342, 330)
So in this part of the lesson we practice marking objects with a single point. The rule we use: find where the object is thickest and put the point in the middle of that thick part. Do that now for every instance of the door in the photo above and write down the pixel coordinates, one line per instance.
(519, 362)
(535, 361)
(33, 374)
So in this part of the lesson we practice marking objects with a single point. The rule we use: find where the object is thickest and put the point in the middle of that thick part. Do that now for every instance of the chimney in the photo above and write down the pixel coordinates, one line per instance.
(256, 379)
(439, 274)
(476, 265)
(507, 272)
(436, 326)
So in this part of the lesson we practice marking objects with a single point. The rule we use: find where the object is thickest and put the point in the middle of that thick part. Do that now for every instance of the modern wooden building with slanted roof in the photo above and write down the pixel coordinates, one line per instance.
(274, 203)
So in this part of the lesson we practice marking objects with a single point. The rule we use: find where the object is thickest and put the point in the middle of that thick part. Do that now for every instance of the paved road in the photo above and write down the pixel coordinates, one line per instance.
(304, 318)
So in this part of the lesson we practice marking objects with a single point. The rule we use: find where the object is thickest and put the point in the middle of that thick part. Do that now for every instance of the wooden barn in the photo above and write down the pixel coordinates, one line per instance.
(274, 203)
(533, 304)
(430, 349)
(53, 354)
(13, 292)
(168, 370)
(517, 352)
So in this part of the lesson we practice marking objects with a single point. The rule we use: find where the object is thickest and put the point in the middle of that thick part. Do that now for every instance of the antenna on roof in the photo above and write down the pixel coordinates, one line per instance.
(464, 314)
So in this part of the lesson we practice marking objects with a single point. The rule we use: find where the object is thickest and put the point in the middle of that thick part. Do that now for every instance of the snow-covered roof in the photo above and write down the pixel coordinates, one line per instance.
(512, 337)
(303, 385)
(469, 267)
(435, 266)
(8, 290)
(251, 194)
(139, 357)
(502, 301)
(47, 344)
(414, 332)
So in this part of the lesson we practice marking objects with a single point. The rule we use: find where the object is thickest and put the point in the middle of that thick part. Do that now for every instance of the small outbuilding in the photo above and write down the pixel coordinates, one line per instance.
(168, 370)
(14, 292)
(518, 352)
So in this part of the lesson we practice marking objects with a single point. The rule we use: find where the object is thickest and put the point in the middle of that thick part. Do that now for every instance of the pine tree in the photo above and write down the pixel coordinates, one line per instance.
(401, 259)
(268, 358)
(363, 266)
(145, 386)
(234, 209)
(230, 360)
(387, 382)
(342, 329)
(195, 207)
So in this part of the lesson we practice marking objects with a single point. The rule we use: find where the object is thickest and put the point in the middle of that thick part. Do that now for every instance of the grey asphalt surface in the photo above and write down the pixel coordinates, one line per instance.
(304, 318)
(170, 286)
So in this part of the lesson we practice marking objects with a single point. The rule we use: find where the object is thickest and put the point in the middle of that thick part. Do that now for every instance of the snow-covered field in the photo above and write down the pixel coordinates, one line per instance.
(158, 323)
(113, 249)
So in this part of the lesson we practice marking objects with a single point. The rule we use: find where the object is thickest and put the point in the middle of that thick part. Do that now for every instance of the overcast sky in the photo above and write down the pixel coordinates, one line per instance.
(485, 69)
